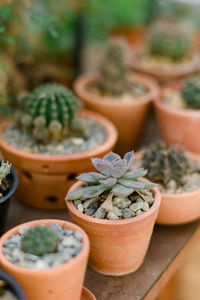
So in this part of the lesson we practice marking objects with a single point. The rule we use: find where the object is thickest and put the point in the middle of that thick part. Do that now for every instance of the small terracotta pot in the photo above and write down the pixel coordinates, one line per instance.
(62, 282)
(164, 76)
(118, 247)
(44, 179)
(128, 117)
(180, 208)
(178, 126)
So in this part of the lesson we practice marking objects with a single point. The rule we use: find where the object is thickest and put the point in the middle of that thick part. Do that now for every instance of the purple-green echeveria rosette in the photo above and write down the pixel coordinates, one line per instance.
(115, 175)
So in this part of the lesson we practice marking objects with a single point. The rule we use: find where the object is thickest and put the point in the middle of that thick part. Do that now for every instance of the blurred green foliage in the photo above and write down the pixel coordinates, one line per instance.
(104, 16)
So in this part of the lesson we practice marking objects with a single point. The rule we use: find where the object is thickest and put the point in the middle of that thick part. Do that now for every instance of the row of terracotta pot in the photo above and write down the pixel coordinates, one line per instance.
(47, 173)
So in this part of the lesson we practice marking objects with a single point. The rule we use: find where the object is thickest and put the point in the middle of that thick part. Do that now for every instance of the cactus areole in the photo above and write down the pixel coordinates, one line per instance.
(115, 176)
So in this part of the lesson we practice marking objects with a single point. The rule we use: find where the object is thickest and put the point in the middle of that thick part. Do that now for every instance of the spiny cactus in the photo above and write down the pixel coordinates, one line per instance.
(4, 172)
(48, 112)
(115, 176)
(113, 72)
(191, 92)
(39, 240)
(172, 44)
(165, 164)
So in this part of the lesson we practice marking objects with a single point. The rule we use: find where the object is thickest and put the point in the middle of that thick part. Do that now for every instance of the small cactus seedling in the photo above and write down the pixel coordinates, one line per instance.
(48, 112)
(165, 164)
(172, 44)
(39, 240)
(113, 72)
(191, 92)
(115, 176)
(4, 172)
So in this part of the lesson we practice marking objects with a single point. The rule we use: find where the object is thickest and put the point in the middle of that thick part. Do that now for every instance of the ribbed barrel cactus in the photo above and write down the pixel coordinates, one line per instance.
(48, 112)
(165, 164)
(172, 44)
(115, 175)
(113, 72)
(39, 240)
(191, 92)
(4, 172)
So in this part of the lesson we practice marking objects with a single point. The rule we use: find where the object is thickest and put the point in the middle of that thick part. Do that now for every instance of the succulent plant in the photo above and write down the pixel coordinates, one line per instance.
(39, 240)
(113, 72)
(191, 91)
(172, 44)
(165, 164)
(48, 112)
(115, 175)
(4, 172)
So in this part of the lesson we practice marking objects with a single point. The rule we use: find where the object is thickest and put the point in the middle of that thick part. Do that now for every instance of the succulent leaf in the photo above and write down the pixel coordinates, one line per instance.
(109, 181)
(93, 191)
(135, 174)
(97, 176)
(121, 191)
(111, 157)
(129, 157)
(87, 178)
(101, 166)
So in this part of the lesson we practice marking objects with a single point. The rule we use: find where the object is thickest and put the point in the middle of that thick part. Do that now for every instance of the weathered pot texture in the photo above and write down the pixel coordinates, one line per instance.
(62, 282)
(179, 127)
(44, 179)
(5, 201)
(178, 208)
(168, 74)
(12, 286)
(118, 247)
(128, 117)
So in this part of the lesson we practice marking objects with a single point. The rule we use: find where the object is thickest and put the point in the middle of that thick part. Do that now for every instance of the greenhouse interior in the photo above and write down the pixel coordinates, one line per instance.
(100, 150)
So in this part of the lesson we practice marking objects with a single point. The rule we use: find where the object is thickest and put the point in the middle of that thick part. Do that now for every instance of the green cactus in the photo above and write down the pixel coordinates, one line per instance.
(4, 172)
(113, 72)
(191, 92)
(39, 240)
(48, 112)
(165, 164)
(173, 44)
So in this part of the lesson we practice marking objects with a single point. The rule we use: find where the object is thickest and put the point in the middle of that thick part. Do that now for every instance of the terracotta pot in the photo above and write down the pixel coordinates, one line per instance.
(180, 208)
(62, 282)
(44, 179)
(178, 126)
(164, 76)
(128, 117)
(118, 247)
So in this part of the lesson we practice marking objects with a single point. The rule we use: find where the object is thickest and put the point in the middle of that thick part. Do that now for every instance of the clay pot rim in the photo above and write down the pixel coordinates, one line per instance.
(111, 139)
(88, 293)
(191, 155)
(194, 65)
(89, 219)
(66, 265)
(83, 80)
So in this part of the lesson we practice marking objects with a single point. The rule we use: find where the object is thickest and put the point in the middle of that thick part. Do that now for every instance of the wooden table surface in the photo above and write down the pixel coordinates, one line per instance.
(168, 247)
